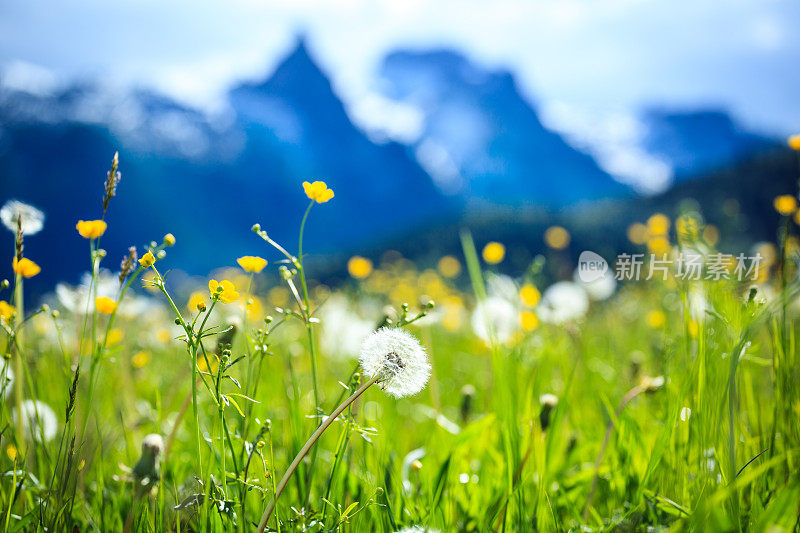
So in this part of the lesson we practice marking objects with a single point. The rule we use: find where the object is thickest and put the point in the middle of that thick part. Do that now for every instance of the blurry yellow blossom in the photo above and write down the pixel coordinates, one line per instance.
(694, 329)
(656, 319)
(278, 296)
(317, 191)
(794, 142)
(785, 204)
(6, 311)
(105, 305)
(147, 260)
(528, 320)
(224, 289)
(169, 239)
(91, 229)
(494, 252)
(114, 336)
(140, 358)
(556, 237)
(449, 266)
(658, 224)
(797, 217)
(688, 228)
(12, 452)
(711, 235)
(163, 335)
(203, 367)
(658, 245)
(359, 267)
(637, 233)
(530, 295)
(254, 308)
(195, 300)
(25, 267)
(252, 263)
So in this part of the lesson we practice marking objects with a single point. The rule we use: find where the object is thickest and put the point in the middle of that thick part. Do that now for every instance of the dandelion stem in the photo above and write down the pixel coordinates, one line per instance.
(307, 446)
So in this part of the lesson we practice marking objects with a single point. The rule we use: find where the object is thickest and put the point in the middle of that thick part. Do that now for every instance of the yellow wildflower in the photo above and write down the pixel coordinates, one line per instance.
(25, 267)
(797, 217)
(252, 263)
(794, 142)
(658, 246)
(224, 290)
(656, 319)
(694, 329)
(196, 299)
(711, 235)
(12, 452)
(115, 336)
(556, 237)
(147, 260)
(529, 295)
(528, 320)
(658, 224)
(785, 204)
(637, 233)
(105, 305)
(140, 358)
(359, 267)
(317, 191)
(449, 266)
(6, 310)
(163, 335)
(169, 239)
(494, 252)
(91, 229)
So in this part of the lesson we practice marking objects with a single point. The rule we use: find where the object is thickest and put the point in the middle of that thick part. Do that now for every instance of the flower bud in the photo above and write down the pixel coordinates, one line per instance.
(169, 239)
(256, 228)
(4, 284)
(161, 254)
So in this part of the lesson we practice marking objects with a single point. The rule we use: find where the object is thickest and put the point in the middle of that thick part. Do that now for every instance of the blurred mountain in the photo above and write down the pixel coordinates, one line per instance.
(481, 139)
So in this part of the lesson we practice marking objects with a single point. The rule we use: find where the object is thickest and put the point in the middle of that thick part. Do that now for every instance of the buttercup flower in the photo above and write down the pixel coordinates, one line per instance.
(13, 211)
(91, 229)
(494, 252)
(656, 319)
(397, 359)
(224, 290)
(196, 299)
(105, 305)
(794, 142)
(556, 237)
(252, 263)
(6, 311)
(38, 420)
(785, 204)
(25, 267)
(317, 191)
(147, 260)
(529, 295)
(359, 267)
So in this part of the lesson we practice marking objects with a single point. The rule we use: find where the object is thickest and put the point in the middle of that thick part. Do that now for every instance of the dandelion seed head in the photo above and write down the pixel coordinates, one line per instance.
(31, 217)
(38, 420)
(498, 315)
(397, 359)
(563, 302)
(417, 529)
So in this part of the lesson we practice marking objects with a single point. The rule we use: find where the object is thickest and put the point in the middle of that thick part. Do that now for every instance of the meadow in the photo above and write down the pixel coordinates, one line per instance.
(451, 396)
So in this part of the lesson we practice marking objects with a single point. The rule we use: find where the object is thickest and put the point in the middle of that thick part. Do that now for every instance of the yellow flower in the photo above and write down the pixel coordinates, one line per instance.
(6, 311)
(797, 217)
(658, 246)
(196, 299)
(529, 295)
(105, 305)
(25, 267)
(794, 141)
(449, 266)
(91, 229)
(252, 263)
(711, 235)
(224, 290)
(556, 237)
(163, 335)
(637, 233)
(656, 319)
(694, 329)
(140, 358)
(359, 267)
(147, 260)
(318, 191)
(528, 320)
(658, 224)
(169, 239)
(115, 336)
(12, 452)
(786, 204)
(494, 252)
(254, 308)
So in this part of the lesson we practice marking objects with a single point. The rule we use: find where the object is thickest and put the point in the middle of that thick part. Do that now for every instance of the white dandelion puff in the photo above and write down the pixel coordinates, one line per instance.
(397, 359)
(498, 314)
(417, 529)
(562, 302)
(38, 420)
(13, 211)
(598, 289)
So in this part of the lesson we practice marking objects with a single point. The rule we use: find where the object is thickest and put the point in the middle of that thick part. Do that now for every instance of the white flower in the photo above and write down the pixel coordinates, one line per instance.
(599, 289)
(497, 313)
(32, 218)
(397, 359)
(562, 302)
(343, 330)
(38, 420)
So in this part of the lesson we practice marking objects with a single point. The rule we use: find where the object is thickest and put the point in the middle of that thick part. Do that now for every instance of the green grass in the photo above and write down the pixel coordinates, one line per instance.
(714, 447)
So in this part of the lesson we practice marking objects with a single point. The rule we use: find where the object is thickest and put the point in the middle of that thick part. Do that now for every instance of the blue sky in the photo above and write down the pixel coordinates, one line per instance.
(572, 57)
